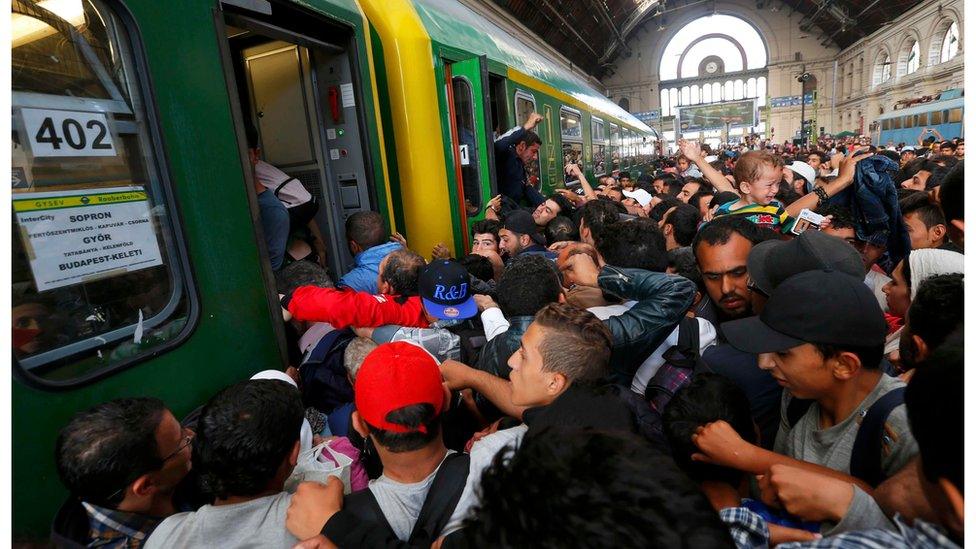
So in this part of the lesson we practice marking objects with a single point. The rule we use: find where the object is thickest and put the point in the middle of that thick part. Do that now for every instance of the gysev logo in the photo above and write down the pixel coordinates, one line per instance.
(450, 293)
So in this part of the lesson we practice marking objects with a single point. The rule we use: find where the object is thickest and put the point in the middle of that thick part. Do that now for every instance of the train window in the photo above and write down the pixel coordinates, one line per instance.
(914, 120)
(886, 124)
(907, 121)
(99, 276)
(598, 132)
(614, 147)
(896, 123)
(524, 106)
(955, 116)
(936, 118)
(571, 131)
(467, 144)
(923, 119)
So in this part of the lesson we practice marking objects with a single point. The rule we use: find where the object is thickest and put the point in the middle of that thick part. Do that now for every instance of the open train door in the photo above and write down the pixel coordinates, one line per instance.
(469, 111)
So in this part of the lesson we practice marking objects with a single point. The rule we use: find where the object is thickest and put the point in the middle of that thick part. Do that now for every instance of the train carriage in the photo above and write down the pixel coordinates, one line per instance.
(139, 263)
(943, 114)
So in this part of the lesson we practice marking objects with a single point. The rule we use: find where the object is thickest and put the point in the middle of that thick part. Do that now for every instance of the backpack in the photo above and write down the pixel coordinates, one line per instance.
(442, 499)
(866, 452)
(325, 384)
(292, 192)
(681, 362)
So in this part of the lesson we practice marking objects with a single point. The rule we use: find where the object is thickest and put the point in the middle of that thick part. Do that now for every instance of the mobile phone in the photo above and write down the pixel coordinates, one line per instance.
(805, 220)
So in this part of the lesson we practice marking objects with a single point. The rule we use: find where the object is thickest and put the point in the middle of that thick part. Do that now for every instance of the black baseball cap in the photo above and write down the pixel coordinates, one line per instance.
(520, 222)
(445, 290)
(773, 261)
(824, 306)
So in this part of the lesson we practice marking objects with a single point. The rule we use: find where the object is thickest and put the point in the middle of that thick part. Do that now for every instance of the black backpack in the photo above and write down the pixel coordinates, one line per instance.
(323, 372)
(866, 452)
(442, 499)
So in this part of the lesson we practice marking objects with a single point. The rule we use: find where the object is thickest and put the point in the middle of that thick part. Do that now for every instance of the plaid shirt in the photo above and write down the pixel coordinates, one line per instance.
(114, 529)
(749, 530)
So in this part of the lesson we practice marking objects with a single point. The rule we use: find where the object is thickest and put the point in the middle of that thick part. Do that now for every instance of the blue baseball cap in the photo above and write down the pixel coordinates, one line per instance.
(445, 289)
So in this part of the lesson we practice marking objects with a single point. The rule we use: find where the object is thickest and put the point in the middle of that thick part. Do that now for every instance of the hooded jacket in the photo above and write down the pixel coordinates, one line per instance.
(362, 277)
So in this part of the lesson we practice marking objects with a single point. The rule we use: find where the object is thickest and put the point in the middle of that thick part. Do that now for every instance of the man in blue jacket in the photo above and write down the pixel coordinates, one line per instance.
(369, 244)
(513, 150)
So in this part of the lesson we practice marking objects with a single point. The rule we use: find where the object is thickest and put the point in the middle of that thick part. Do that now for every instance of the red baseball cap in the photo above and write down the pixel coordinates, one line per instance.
(393, 376)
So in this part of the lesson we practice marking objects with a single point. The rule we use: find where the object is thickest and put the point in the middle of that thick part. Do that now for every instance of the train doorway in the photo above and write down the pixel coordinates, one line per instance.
(472, 118)
(294, 94)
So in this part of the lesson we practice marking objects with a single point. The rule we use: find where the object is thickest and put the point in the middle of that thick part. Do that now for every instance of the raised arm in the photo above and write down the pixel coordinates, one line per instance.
(497, 390)
(845, 176)
(693, 151)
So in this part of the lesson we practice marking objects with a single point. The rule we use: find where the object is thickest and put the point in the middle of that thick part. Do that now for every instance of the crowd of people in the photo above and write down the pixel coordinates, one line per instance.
(745, 347)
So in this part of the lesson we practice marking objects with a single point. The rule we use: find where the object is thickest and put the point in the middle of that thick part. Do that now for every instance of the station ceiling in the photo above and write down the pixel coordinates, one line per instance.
(593, 34)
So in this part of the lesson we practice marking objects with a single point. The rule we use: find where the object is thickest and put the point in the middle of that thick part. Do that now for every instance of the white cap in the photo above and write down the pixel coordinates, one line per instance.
(711, 158)
(907, 148)
(805, 170)
(640, 195)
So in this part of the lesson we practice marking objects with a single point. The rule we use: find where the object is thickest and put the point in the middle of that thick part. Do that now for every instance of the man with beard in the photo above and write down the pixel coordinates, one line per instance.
(722, 249)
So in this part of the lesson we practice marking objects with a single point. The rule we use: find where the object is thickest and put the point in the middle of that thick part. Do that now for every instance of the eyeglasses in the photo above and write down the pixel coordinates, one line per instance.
(752, 287)
(184, 442)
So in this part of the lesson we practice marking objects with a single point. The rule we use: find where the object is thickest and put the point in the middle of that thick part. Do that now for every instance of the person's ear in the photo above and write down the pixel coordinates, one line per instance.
(938, 232)
(359, 425)
(557, 384)
(697, 300)
(525, 241)
(955, 499)
(921, 348)
(295, 450)
(668, 229)
(142, 487)
(845, 365)
(354, 248)
(562, 297)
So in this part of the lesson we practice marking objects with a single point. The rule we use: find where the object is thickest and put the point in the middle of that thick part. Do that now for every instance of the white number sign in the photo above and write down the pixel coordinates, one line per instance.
(67, 133)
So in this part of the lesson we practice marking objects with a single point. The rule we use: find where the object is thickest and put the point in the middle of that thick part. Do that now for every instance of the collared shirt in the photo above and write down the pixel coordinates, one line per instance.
(748, 529)
(111, 528)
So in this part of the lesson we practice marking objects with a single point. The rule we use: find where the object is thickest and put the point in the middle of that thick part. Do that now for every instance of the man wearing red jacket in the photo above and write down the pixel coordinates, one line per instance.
(397, 303)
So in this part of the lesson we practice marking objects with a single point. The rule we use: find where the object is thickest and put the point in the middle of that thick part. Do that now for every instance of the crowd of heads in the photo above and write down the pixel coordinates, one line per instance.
(753, 332)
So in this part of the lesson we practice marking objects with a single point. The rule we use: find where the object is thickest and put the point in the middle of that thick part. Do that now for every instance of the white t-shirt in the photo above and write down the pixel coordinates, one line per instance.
(706, 338)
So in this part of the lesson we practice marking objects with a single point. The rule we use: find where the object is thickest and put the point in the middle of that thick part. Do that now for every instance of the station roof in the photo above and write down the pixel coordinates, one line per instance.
(593, 34)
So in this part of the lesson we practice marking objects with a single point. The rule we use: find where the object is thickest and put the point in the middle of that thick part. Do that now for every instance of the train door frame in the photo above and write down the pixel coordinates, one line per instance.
(244, 16)
(474, 71)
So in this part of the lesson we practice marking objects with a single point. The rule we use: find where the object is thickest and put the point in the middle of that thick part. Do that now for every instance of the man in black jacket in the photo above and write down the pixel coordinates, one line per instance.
(518, 147)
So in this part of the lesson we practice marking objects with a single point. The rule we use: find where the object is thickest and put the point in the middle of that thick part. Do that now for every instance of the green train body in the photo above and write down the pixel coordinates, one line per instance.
(186, 65)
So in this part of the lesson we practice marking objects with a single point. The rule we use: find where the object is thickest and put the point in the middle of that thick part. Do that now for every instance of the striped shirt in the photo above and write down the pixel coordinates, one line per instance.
(771, 216)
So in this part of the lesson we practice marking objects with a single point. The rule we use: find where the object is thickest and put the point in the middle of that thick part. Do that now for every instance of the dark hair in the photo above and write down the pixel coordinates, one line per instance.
(921, 205)
(623, 175)
(245, 433)
(842, 216)
(819, 155)
(940, 172)
(934, 401)
(577, 343)
(947, 145)
(478, 266)
(662, 207)
(684, 219)
(721, 229)
(634, 244)
(674, 186)
(402, 271)
(596, 215)
(906, 270)
(106, 447)
(937, 308)
(870, 356)
(366, 229)
(565, 206)
(682, 261)
(589, 488)
(529, 283)
(915, 166)
(951, 194)
(530, 138)
(412, 417)
(486, 226)
(708, 397)
(891, 154)
(301, 273)
(560, 229)
(695, 199)
(787, 195)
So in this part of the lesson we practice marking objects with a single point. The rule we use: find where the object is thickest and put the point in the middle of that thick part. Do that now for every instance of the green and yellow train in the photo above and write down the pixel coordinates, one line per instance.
(139, 264)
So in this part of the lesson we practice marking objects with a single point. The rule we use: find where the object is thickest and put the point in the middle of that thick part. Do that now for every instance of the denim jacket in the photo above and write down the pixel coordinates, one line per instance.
(874, 205)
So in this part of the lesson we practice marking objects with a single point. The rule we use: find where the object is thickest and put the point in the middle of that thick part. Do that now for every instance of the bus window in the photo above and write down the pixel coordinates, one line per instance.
(524, 106)
(923, 119)
(98, 272)
(598, 132)
(614, 147)
(955, 116)
(571, 132)
(936, 118)
(467, 144)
